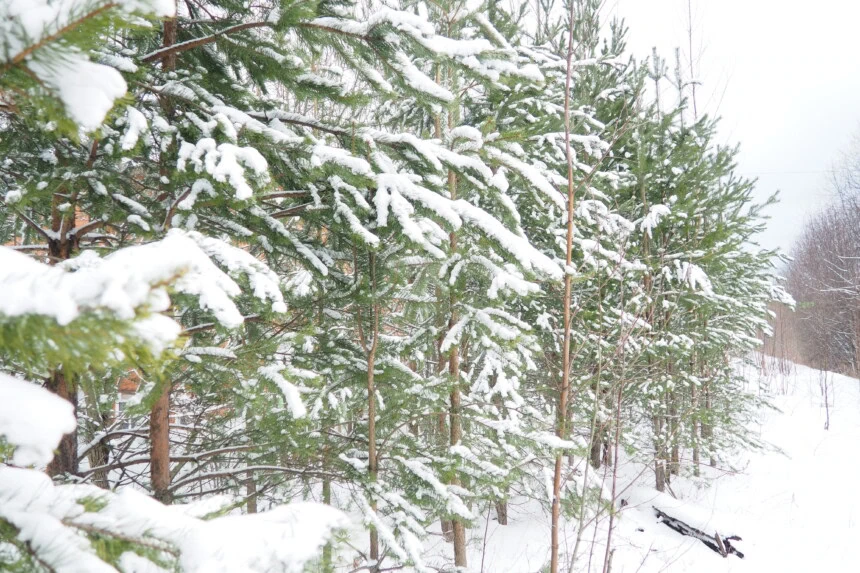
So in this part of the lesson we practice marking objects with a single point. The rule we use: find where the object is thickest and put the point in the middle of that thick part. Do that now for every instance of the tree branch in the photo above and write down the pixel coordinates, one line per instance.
(162, 53)
(26, 52)
(32, 224)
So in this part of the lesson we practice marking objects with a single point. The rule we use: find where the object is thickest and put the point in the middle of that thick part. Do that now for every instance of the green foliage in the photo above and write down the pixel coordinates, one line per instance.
(401, 177)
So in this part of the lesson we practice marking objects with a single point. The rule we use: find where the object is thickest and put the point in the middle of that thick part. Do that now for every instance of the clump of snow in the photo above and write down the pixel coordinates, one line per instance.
(655, 214)
(282, 539)
(226, 163)
(32, 420)
(287, 388)
(87, 89)
(135, 124)
(136, 278)
(49, 518)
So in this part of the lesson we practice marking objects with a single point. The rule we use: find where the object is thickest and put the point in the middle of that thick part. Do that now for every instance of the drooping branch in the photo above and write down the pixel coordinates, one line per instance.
(33, 225)
(29, 50)
(174, 49)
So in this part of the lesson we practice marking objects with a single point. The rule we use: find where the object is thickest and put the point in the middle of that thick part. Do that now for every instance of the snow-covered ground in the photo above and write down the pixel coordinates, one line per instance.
(796, 505)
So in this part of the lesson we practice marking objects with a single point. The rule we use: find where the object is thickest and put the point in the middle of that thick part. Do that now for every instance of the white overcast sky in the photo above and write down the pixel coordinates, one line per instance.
(783, 74)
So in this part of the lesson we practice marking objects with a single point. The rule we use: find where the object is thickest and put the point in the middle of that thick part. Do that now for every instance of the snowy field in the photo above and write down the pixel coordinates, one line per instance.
(796, 506)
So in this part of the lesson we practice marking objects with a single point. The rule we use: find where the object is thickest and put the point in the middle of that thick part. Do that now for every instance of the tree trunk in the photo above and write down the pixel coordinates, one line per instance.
(372, 468)
(708, 429)
(694, 428)
(564, 388)
(674, 430)
(502, 511)
(251, 492)
(99, 455)
(446, 525)
(443, 436)
(159, 453)
(159, 414)
(327, 564)
(596, 455)
(659, 455)
(59, 249)
(66, 460)
(458, 527)
(455, 425)
(372, 455)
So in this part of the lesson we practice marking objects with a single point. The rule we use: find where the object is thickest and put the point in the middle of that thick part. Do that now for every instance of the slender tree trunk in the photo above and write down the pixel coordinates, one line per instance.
(502, 511)
(66, 460)
(59, 249)
(251, 492)
(694, 428)
(455, 425)
(659, 454)
(596, 453)
(372, 455)
(443, 435)
(708, 429)
(372, 467)
(564, 389)
(674, 430)
(99, 454)
(607, 556)
(596, 450)
(159, 414)
(159, 452)
(446, 524)
(327, 563)
(458, 527)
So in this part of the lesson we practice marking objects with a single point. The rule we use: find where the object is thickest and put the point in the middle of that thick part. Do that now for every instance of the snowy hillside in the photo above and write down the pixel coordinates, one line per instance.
(795, 506)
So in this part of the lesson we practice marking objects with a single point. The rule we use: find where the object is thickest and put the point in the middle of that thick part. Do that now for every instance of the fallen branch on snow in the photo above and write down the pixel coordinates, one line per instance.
(721, 545)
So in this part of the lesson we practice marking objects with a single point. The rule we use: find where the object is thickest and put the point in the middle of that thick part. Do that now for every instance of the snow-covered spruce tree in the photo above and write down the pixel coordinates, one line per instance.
(336, 183)
(213, 123)
(53, 92)
(705, 292)
(107, 188)
(404, 307)
(608, 306)
(535, 151)
(89, 313)
(82, 315)
(480, 350)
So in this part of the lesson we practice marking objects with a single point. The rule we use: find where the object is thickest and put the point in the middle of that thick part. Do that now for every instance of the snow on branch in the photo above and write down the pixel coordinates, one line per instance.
(55, 521)
(31, 34)
(136, 279)
(34, 437)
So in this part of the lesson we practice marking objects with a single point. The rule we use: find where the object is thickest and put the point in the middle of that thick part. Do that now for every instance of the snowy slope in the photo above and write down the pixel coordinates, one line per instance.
(797, 507)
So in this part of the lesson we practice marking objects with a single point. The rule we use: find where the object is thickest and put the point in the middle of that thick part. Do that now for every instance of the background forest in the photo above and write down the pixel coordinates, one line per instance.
(412, 261)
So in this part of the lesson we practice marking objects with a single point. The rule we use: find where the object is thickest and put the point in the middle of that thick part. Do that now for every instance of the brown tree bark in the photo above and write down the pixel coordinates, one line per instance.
(675, 459)
(660, 474)
(564, 387)
(59, 249)
(251, 493)
(694, 428)
(99, 455)
(66, 460)
(502, 511)
(458, 528)
(159, 414)
(327, 564)
(159, 451)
